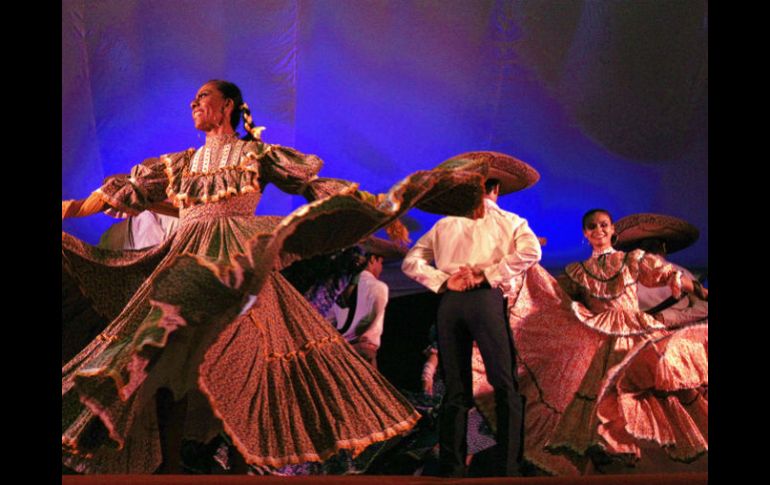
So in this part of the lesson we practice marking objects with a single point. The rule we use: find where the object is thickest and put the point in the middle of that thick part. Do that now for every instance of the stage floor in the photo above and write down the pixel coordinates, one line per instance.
(637, 479)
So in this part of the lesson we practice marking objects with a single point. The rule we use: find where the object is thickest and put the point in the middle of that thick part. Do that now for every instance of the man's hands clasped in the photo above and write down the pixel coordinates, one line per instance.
(465, 279)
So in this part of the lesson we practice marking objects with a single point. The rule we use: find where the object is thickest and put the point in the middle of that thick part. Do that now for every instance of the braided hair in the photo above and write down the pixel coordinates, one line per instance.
(231, 91)
(253, 132)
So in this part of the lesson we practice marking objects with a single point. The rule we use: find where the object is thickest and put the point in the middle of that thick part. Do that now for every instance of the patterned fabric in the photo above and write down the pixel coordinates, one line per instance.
(686, 310)
(601, 378)
(277, 379)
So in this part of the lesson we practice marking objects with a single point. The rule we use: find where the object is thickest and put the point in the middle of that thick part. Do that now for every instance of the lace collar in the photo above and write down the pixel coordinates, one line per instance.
(604, 252)
(219, 140)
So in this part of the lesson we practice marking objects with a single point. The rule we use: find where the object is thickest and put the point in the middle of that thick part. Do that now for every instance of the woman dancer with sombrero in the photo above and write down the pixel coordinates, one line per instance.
(203, 327)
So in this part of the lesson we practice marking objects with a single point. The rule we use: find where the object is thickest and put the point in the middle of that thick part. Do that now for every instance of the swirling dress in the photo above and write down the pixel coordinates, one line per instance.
(603, 379)
(646, 381)
(278, 379)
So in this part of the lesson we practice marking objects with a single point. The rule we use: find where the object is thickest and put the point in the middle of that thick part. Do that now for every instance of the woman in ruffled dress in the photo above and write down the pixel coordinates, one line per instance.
(646, 383)
(606, 384)
(203, 330)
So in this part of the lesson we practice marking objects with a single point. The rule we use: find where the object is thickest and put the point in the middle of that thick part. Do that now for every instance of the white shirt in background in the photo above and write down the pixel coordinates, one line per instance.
(369, 317)
(679, 312)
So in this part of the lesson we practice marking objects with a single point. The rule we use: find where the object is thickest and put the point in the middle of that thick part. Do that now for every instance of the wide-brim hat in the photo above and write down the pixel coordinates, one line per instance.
(389, 250)
(514, 174)
(632, 230)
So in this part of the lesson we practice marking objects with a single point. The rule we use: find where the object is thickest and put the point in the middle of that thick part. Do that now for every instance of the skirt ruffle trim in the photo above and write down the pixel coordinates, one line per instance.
(355, 445)
(618, 322)
(170, 313)
(658, 393)
(351, 425)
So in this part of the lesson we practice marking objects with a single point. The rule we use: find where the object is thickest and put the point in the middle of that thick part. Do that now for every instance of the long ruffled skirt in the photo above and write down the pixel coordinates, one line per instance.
(589, 391)
(278, 379)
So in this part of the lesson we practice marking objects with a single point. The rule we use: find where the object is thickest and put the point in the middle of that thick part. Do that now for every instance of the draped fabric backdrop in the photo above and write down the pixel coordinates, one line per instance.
(606, 99)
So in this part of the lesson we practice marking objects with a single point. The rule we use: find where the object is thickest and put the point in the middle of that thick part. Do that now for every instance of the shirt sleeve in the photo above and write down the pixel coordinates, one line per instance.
(524, 251)
(417, 263)
(379, 298)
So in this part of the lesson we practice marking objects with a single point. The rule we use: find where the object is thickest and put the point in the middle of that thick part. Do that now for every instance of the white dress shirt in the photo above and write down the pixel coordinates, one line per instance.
(500, 244)
(139, 232)
(680, 312)
(369, 318)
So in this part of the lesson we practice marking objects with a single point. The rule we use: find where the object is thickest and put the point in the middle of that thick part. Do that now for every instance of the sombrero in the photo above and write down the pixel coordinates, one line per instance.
(514, 174)
(632, 230)
(382, 247)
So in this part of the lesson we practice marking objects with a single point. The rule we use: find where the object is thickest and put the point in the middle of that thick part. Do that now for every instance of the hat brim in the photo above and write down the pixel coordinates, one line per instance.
(456, 187)
(514, 174)
(677, 233)
(389, 250)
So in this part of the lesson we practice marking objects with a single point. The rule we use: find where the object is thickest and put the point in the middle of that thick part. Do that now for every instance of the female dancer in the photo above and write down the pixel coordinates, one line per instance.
(646, 381)
(203, 330)
(604, 381)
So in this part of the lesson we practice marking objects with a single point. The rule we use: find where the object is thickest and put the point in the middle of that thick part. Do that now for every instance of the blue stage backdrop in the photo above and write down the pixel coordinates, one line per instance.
(606, 99)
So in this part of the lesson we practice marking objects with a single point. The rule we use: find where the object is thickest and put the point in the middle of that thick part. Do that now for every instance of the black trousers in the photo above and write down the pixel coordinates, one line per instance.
(463, 317)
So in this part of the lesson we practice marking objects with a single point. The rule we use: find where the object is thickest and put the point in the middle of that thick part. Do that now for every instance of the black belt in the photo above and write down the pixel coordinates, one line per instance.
(667, 303)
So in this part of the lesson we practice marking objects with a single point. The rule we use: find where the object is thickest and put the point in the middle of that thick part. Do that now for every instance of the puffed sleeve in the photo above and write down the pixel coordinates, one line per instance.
(287, 168)
(655, 271)
(146, 184)
(297, 173)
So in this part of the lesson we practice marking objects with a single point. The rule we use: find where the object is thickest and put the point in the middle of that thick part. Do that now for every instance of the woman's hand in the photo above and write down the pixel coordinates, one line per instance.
(81, 208)
(700, 291)
(693, 287)
(69, 208)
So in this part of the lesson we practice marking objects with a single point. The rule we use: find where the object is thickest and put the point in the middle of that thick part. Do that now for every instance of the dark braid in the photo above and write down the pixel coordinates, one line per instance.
(252, 132)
